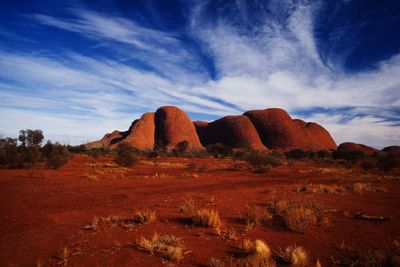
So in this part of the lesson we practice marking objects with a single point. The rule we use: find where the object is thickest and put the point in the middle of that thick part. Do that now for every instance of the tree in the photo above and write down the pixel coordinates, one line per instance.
(30, 138)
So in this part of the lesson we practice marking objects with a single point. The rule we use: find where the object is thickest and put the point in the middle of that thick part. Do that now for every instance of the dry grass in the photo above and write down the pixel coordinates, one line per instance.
(369, 188)
(387, 255)
(165, 246)
(144, 216)
(216, 263)
(320, 188)
(201, 216)
(257, 254)
(294, 255)
(298, 215)
(255, 215)
(64, 258)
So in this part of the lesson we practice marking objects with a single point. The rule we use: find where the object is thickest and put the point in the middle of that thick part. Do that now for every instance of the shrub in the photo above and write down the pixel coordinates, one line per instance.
(389, 162)
(55, 155)
(296, 154)
(349, 155)
(180, 148)
(367, 165)
(257, 159)
(8, 151)
(166, 246)
(219, 150)
(126, 155)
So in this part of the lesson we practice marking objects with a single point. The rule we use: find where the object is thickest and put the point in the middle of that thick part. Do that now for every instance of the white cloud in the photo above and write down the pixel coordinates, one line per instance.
(276, 66)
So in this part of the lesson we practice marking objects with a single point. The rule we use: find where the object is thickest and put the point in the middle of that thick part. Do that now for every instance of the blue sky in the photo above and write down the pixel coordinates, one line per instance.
(78, 69)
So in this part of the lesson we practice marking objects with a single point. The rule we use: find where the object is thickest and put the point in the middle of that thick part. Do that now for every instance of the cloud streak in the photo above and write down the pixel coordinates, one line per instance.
(276, 64)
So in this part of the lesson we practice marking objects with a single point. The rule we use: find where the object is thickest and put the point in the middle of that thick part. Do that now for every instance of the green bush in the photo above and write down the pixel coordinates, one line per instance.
(55, 155)
(125, 155)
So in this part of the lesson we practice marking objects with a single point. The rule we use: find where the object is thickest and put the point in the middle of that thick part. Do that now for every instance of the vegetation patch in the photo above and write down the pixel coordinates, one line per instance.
(166, 246)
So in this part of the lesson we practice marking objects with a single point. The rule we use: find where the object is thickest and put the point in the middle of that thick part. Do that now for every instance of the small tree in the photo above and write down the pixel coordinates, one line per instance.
(126, 155)
(29, 138)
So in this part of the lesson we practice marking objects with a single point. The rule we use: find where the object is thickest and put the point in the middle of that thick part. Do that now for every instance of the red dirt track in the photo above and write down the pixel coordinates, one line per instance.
(44, 211)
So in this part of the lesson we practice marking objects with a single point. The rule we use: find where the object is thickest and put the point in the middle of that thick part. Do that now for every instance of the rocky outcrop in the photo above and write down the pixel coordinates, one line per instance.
(174, 126)
(315, 136)
(351, 147)
(392, 149)
(109, 140)
(257, 129)
(233, 131)
(277, 130)
(141, 133)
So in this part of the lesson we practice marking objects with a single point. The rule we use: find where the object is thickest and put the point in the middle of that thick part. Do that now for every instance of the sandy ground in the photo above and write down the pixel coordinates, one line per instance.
(44, 211)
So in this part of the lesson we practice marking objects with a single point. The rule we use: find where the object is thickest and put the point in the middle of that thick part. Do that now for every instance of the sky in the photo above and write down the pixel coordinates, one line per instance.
(78, 69)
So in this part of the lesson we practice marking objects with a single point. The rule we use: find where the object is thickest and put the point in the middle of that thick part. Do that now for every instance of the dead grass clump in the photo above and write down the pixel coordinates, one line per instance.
(64, 258)
(294, 255)
(298, 215)
(144, 216)
(216, 263)
(165, 246)
(255, 215)
(206, 217)
(257, 254)
(320, 188)
(365, 187)
(227, 234)
(387, 255)
(201, 217)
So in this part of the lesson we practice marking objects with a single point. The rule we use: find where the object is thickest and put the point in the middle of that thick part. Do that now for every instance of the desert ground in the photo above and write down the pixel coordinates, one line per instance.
(83, 214)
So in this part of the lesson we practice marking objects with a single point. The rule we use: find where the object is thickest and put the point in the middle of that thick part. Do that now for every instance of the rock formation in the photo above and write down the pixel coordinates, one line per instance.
(174, 126)
(141, 133)
(233, 131)
(349, 147)
(258, 129)
(277, 130)
(392, 149)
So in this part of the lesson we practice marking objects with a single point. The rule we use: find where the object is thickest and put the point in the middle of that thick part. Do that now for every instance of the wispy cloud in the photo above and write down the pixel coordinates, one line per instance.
(275, 64)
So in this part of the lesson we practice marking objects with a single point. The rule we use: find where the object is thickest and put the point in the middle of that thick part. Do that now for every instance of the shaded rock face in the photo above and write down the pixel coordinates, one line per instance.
(233, 131)
(348, 147)
(392, 149)
(315, 136)
(141, 133)
(277, 130)
(109, 140)
(174, 126)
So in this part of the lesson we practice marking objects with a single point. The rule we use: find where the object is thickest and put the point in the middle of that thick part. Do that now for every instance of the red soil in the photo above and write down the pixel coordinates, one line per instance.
(44, 211)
